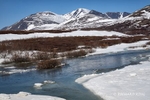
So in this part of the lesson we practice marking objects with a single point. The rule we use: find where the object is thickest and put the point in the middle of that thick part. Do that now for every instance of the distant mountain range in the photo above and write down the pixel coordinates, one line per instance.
(137, 22)
(48, 20)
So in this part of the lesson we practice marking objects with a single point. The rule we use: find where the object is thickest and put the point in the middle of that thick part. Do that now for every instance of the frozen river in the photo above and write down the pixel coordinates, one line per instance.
(65, 85)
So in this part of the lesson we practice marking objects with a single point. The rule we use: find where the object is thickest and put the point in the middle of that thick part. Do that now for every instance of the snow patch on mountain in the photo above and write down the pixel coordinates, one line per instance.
(77, 13)
(146, 14)
(93, 19)
(46, 16)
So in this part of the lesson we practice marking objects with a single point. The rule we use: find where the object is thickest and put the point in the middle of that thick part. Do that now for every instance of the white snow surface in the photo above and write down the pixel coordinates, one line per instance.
(129, 83)
(47, 15)
(121, 47)
(31, 27)
(69, 34)
(43, 27)
(146, 14)
(27, 96)
(92, 19)
(80, 12)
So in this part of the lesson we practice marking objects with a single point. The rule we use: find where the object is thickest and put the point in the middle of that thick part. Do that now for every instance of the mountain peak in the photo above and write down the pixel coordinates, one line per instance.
(82, 10)
(42, 14)
(99, 14)
(117, 15)
(77, 13)
(46, 13)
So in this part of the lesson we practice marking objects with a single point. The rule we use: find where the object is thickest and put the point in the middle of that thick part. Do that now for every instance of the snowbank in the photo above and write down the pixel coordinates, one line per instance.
(27, 96)
(74, 33)
(129, 83)
(121, 47)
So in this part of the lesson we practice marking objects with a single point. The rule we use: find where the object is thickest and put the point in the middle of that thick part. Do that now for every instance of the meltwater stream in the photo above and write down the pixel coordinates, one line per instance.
(65, 77)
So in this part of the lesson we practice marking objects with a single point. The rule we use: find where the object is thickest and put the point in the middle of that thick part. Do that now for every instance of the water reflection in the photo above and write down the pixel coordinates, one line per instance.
(50, 72)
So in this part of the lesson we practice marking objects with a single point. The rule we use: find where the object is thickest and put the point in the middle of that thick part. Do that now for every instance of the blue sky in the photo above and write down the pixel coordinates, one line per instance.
(12, 11)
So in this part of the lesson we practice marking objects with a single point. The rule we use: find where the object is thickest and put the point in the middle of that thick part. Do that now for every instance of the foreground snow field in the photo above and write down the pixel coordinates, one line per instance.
(74, 33)
(129, 83)
(26, 96)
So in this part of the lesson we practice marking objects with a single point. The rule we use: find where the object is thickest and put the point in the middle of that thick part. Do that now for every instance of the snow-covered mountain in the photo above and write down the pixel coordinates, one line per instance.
(79, 18)
(143, 13)
(117, 15)
(77, 13)
(84, 18)
(136, 23)
(37, 20)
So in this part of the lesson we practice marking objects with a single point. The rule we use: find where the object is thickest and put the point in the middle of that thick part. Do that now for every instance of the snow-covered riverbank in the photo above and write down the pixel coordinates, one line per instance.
(27, 96)
(122, 47)
(129, 83)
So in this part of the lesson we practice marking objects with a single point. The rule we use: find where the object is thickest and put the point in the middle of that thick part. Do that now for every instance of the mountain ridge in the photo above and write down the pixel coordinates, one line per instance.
(48, 20)
(136, 23)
